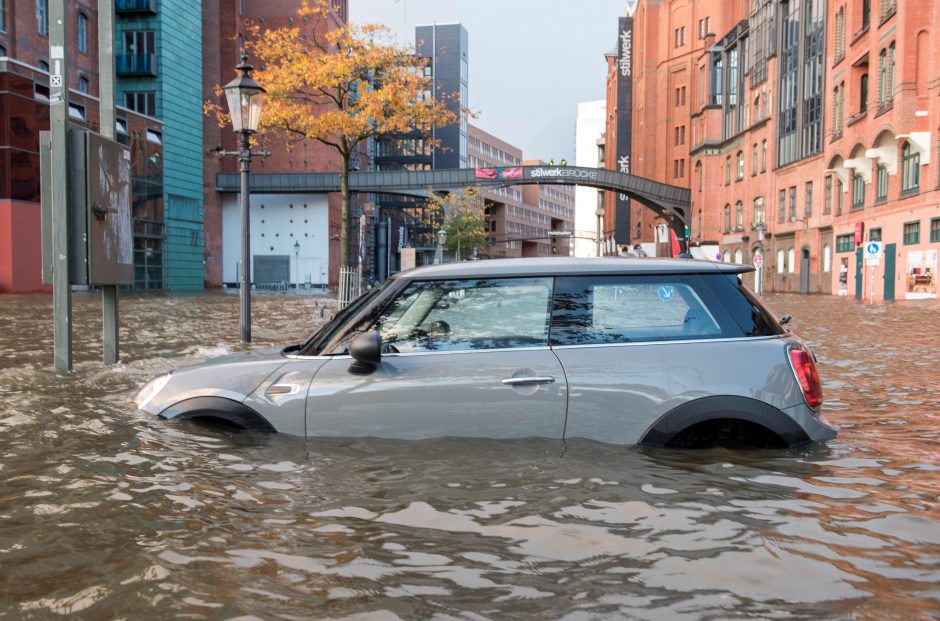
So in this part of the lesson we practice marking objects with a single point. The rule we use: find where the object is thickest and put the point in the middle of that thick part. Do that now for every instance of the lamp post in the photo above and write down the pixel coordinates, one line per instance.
(297, 260)
(759, 229)
(244, 97)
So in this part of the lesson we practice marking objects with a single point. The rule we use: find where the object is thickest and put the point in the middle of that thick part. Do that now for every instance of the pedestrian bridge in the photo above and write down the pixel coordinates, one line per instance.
(669, 202)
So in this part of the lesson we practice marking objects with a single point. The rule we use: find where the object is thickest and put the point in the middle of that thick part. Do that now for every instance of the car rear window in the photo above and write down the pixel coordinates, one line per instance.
(595, 310)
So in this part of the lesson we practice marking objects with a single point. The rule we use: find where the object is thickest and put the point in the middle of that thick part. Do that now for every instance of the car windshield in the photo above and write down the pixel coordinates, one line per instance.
(342, 320)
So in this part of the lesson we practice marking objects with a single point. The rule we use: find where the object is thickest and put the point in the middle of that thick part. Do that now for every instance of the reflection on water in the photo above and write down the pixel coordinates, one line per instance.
(106, 512)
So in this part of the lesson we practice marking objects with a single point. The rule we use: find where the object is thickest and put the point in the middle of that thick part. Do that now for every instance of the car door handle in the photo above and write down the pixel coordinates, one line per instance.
(529, 380)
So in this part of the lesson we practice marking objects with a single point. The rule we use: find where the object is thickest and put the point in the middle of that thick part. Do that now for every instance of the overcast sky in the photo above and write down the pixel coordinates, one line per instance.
(531, 61)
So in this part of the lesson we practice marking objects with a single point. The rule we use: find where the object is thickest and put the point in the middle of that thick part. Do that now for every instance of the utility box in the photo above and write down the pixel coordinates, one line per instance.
(100, 224)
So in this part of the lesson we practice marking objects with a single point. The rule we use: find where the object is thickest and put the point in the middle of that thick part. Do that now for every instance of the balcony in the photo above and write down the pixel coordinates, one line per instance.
(135, 7)
(136, 65)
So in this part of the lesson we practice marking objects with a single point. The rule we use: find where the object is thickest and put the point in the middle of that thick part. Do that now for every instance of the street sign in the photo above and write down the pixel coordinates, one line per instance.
(559, 233)
(873, 252)
(758, 260)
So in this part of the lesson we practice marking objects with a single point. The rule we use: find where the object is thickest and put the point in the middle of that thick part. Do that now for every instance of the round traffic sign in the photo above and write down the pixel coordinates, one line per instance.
(758, 260)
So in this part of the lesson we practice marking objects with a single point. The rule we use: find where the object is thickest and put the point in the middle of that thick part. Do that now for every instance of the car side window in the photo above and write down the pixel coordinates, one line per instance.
(471, 314)
(594, 310)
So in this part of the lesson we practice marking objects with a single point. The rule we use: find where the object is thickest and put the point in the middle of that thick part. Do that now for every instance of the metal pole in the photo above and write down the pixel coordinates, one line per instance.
(59, 119)
(244, 159)
(109, 293)
(600, 214)
(871, 284)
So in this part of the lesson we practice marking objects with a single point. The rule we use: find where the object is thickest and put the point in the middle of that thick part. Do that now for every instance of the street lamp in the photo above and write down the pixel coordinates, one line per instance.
(244, 97)
(297, 261)
(759, 229)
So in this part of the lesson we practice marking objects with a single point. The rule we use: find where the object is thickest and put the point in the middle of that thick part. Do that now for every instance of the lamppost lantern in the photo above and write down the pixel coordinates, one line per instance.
(442, 237)
(296, 248)
(245, 97)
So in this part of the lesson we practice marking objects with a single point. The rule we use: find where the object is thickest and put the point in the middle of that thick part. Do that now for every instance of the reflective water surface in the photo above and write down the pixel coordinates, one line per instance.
(106, 512)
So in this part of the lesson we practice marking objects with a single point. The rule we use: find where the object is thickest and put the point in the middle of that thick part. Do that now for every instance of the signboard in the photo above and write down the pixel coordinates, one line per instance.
(559, 233)
(859, 232)
(502, 172)
(873, 251)
(758, 260)
(624, 112)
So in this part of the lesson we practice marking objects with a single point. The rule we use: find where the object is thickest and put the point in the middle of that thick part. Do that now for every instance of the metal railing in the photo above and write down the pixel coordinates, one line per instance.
(349, 286)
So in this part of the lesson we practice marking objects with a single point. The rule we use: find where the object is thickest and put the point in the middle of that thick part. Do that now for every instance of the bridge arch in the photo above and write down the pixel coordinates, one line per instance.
(669, 202)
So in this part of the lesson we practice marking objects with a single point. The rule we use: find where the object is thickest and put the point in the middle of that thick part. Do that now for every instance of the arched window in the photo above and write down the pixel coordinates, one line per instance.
(791, 260)
(739, 256)
(727, 218)
(827, 258)
(910, 169)
(758, 216)
(82, 26)
(757, 108)
(740, 174)
(739, 216)
(728, 170)
(780, 260)
(727, 256)
(763, 156)
(754, 160)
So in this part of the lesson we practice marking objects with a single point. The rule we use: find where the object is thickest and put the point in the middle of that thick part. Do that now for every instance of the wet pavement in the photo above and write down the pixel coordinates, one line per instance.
(109, 513)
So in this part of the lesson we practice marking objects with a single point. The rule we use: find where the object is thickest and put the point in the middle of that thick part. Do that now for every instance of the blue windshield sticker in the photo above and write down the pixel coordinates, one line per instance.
(666, 293)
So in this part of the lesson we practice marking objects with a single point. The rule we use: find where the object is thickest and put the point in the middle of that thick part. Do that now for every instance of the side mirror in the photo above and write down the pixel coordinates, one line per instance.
(366, 350)
(785, 320)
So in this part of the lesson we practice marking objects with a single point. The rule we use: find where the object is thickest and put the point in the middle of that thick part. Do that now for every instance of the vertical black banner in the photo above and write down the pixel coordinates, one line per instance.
(624, 123)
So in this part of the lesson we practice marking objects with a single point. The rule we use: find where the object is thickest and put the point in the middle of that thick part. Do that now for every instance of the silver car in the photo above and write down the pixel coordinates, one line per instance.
(628, 351)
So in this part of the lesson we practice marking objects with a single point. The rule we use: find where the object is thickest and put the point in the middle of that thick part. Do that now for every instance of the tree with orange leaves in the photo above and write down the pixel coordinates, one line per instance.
(341, 87)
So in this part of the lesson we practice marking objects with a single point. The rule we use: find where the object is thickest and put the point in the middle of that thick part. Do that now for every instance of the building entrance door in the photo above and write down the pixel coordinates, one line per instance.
(890, 256)
(804, 271)
(859, 274)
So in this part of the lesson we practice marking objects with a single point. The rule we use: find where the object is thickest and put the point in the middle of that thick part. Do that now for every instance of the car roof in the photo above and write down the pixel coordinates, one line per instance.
(556, 266)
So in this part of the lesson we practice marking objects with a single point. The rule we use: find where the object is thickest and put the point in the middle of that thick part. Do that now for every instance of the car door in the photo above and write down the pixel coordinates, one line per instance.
(465, 358)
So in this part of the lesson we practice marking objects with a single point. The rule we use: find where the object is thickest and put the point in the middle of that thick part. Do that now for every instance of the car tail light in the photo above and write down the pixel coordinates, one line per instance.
(805, 370)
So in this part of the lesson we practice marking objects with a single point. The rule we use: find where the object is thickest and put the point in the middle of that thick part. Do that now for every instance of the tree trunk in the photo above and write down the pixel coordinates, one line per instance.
(344, 220)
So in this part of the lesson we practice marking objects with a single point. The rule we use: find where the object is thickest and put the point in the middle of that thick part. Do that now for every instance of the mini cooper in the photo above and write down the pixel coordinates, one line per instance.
(662, 352)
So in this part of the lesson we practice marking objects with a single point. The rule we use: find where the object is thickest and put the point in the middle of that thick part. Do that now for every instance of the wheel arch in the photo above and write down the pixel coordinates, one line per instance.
(723, 407)
(219, 408)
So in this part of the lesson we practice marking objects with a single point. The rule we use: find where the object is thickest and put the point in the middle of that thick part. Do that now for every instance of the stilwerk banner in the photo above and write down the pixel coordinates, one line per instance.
(624, 112)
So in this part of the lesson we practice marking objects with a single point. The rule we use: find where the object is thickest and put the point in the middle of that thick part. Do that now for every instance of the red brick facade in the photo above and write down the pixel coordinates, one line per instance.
(223, 25)
(744, 170)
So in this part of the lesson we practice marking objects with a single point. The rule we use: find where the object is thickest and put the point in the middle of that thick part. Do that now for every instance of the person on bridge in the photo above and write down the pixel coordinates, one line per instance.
(564, 162)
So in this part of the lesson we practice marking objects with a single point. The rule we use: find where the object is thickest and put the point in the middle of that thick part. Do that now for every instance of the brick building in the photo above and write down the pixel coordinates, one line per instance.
(300, 232)
(814, 122)
(24, 112)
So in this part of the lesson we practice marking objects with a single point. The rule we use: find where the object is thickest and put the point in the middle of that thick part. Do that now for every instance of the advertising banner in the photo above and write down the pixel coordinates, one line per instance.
(921, 274)
(624, 123)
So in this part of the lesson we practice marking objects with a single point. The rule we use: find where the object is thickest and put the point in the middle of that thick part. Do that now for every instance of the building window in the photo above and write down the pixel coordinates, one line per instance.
(44, 66)
(758, 216)
(886, 76)
(911, 233)
(727, 218)
(881, 187)
(838, 110)
(42, 17)
(739, 216)
(827, 258)
(888, 8)
(793, 203)
(845, 243)
(780, 261)
(144, 102)
(809, 199)
(858, 191)
(717, 80)
(910, 170)
(863, 94)
(866, 13)
(935, 230)
(740, 174)
(827, 201)
(791, 260)
(763, 156)
(82, 25)
(739, 256)
(874, 234)
(840, 35)
(83, 84)
(840, 190)
(3, 17)
(754, 160)
(728, 170)
(782, 206)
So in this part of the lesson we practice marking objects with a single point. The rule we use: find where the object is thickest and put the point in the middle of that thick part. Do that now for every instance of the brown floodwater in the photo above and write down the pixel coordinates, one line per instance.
(109, 513)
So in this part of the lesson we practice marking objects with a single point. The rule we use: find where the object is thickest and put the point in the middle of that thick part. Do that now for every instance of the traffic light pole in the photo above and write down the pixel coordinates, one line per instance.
(109, 294)
(58, 122)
